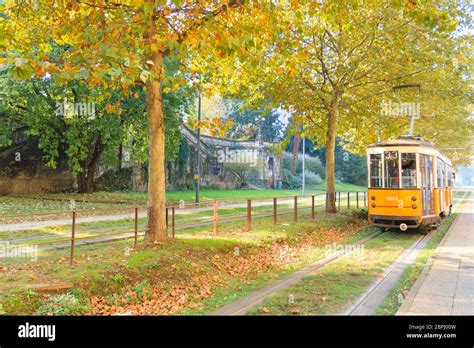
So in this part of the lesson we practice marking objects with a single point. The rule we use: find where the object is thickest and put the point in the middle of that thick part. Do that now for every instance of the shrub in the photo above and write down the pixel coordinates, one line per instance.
(63, 304)
(311, 178)
(289, 180)
(245, 173)
(115, 180)
(312, 164)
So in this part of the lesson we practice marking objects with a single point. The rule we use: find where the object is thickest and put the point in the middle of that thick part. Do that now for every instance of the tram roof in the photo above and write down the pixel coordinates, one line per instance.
(406, 140)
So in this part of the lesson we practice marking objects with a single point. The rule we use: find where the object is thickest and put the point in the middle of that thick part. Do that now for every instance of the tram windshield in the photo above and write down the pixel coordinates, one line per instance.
(392, 179)
(408, 170)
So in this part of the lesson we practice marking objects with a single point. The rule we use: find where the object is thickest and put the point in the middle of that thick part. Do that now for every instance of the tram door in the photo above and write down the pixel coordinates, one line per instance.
(441, 183)
(426, 166)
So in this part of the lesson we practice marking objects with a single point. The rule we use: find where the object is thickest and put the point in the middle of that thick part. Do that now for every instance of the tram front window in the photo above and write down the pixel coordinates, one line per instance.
(408, 170)
(376, 171)
(392, 179)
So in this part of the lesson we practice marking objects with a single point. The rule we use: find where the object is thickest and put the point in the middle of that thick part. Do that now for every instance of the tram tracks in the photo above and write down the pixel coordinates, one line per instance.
(368, 302)
(242, 305)
(365, 304)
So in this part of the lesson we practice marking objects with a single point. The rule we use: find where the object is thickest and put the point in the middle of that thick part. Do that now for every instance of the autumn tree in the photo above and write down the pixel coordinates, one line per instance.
(114, 45)
(335, 61)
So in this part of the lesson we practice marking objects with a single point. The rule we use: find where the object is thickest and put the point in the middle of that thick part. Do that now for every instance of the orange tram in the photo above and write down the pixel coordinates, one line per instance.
(410, 184)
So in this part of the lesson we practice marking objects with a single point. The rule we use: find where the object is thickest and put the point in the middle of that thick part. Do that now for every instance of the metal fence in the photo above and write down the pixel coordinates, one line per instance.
(70, 229)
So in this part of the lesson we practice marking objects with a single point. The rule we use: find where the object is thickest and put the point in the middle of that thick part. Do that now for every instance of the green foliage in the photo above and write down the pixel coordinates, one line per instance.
(118, 278)
(183, 155)
(140, 287)
(33, 103)
(63, 304)
(312, 178)
(245, 173)
(312, 164)
(114, 180)
(248, 123)
(291, 181)
(88, 138)
(350, 167)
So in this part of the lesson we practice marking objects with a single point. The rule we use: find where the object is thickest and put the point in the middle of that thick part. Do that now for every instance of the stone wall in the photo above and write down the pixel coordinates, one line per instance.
(23, 172)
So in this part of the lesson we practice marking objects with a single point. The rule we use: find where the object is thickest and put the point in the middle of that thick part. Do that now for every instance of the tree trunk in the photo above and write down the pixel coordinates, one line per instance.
(156, 168)
(330, 157)
(85, 179)
(296, 147)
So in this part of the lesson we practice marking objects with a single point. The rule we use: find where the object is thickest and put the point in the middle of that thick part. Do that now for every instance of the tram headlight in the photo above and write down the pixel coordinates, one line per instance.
(372, 198)
(373, 205)
(414, 206)
(413, 198)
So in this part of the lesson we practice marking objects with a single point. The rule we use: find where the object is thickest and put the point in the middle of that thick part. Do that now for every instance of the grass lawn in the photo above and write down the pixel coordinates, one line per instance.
(194, 274)
(37, 203)
(184, 219)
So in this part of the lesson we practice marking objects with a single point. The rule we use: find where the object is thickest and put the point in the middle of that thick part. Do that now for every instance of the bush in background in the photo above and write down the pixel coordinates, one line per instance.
(312, 164)
(115, 180)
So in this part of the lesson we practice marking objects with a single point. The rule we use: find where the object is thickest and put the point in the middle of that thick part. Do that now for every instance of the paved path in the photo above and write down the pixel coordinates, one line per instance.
(446, 285)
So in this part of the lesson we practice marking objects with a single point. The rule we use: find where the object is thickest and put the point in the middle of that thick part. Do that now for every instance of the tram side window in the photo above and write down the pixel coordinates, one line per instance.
(408, 170)
(440, 173)
(392, 179)
(450, 177)
(375, 170)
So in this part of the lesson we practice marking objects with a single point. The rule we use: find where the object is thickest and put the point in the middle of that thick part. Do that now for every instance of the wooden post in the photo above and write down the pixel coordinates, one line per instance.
(136, 226)
(73, 237)
(173, 220)
(312, 207)
(166, 218)
(296, 209)
(357, 199)
(348, 200)
(249, 214)
(339, 200)
(274, 210)
(365, 199)
(216, 218)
